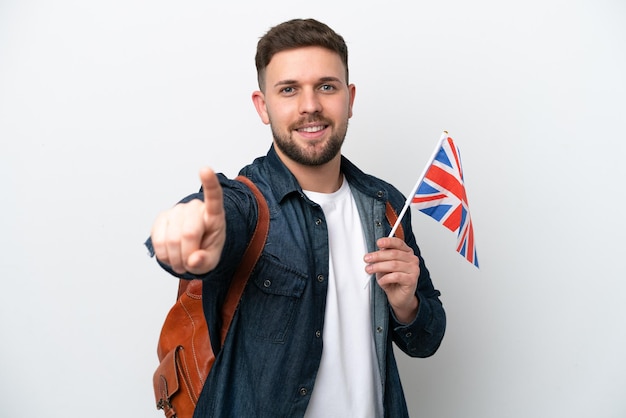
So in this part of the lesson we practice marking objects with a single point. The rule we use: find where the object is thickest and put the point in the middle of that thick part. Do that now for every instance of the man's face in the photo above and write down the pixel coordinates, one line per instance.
(307, 104)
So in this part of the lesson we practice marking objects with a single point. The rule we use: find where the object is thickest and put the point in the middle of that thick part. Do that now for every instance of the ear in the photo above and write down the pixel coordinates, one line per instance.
(352, 92)
(258, 98)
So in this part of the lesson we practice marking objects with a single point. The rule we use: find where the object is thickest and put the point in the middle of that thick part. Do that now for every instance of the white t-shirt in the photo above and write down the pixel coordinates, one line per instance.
(348, 380)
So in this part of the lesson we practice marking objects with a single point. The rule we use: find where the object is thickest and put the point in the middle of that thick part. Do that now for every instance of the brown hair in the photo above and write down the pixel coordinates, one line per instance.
(297, 33)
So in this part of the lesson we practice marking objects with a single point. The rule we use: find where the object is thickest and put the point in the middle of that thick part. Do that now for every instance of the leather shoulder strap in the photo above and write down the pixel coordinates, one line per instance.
(392, 217)
(249, 260)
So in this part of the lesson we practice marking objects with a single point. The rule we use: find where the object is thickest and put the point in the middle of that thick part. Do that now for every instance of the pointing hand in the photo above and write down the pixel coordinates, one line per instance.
(190, 236)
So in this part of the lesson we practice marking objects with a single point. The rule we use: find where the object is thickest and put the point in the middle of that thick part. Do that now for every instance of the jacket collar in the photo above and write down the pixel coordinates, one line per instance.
(283, 182)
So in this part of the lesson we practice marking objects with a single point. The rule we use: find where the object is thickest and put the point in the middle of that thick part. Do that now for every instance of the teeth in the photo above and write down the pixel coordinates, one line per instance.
(312, 129)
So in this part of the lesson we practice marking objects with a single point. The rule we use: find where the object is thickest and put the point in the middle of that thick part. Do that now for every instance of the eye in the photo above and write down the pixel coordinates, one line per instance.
(287, 90)
(327, 87)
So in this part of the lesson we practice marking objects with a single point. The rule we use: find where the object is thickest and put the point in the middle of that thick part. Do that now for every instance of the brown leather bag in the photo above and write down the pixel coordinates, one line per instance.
(184, 347)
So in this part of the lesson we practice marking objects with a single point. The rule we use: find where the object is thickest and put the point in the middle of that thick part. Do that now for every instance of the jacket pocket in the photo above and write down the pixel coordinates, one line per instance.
(272, 298)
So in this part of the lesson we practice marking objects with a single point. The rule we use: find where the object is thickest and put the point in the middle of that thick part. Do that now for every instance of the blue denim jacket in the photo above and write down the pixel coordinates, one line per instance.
(270, 358)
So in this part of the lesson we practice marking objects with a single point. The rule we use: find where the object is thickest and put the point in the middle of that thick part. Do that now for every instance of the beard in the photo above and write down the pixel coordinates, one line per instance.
(311, 155)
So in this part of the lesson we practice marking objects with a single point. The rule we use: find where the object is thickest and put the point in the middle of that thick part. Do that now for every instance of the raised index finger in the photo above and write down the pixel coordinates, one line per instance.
(213, 198)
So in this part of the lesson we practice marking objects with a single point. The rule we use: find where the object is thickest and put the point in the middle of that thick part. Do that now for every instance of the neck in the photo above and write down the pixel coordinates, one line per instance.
(325, 178)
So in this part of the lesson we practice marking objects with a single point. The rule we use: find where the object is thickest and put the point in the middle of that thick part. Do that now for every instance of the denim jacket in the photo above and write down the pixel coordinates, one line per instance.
(271, 355)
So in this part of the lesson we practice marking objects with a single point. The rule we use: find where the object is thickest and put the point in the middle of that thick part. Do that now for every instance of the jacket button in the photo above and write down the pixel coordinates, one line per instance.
(378, 223)
(320, 278)
(303, 392)
(379, 329)
(318, 333)
(267, 283)
(318, 221)
(380, 193)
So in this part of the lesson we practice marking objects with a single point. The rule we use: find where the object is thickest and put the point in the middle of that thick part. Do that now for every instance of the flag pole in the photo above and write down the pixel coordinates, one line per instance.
(444, 135)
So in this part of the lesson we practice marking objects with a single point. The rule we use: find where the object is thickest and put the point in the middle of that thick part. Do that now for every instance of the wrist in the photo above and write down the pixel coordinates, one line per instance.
(407, 314)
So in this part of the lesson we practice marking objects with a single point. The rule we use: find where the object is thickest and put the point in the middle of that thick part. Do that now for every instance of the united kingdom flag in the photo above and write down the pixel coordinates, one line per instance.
(441, 195)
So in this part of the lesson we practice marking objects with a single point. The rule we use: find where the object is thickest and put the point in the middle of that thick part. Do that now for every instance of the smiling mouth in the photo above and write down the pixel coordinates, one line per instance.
(312, 129)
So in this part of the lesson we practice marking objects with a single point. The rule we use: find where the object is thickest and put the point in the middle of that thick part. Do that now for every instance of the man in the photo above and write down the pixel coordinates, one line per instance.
(312, 335)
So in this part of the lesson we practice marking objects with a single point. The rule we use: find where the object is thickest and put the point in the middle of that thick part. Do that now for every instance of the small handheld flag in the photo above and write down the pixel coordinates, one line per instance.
(440, 193)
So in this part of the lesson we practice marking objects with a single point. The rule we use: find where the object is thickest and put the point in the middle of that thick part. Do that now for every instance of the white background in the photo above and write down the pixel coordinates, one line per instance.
(109, 108)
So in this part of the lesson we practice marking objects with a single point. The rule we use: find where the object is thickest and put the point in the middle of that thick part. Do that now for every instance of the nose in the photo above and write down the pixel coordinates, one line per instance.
(309, 102)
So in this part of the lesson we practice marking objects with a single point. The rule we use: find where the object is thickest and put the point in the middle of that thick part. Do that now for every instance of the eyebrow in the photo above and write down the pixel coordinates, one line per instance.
(292, 82)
